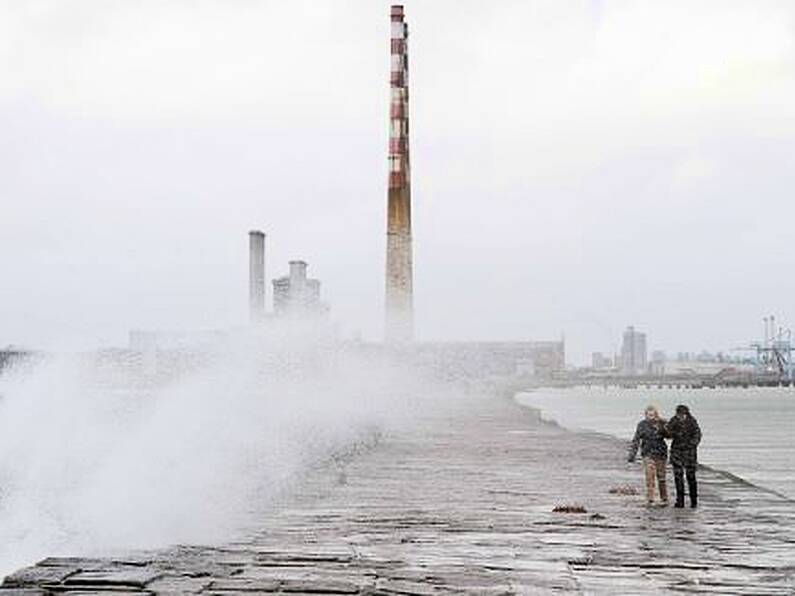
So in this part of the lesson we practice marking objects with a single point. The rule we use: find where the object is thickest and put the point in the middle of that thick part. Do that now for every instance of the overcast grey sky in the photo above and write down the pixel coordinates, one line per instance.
(577, 166)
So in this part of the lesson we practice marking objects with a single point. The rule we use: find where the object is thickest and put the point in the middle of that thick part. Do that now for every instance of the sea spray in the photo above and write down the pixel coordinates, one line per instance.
(118, 450)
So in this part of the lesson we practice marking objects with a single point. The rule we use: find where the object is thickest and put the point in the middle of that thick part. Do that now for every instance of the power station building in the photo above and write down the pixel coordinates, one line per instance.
(296, 294)
(486, 359)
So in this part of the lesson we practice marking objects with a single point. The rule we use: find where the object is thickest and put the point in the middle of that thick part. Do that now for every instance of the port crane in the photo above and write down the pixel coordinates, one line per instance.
(774, 352)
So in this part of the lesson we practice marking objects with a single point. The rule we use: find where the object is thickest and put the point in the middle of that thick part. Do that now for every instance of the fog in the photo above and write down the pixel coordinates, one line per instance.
(577, 166)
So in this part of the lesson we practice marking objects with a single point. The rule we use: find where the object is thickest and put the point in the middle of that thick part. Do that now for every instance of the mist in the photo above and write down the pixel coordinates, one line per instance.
(576, 167)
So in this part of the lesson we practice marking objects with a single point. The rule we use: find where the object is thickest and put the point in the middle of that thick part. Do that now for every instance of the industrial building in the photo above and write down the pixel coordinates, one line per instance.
(296, 294)
(486, 359)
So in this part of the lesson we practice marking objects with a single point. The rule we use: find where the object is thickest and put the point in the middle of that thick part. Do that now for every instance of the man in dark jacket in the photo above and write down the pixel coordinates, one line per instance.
(649, 437)
(686, 435)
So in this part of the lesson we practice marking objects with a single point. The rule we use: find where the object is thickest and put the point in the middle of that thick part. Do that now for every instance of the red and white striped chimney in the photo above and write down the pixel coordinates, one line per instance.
(399, 274)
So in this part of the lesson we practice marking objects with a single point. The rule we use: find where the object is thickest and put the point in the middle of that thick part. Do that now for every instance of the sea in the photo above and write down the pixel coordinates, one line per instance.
(747, 432)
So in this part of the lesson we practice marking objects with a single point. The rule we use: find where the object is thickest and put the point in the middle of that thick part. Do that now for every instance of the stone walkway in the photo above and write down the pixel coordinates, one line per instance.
(463, 503)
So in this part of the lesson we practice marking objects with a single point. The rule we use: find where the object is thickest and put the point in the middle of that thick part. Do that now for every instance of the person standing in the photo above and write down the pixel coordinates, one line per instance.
(686, 435)
(650, 439)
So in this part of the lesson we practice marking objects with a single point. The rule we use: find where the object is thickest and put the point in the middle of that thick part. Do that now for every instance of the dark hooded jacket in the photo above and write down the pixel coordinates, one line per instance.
(686, 435)
(649, 437)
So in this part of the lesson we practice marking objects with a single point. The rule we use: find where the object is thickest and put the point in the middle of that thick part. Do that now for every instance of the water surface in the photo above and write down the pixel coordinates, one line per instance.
(748, 432)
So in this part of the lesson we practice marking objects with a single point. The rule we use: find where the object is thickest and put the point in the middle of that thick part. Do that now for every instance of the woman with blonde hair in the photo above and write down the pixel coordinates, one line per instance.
(650, 439)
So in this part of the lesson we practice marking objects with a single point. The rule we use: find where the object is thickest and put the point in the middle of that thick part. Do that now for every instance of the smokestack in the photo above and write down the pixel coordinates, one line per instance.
(399, 274)
(256, 275)
(297, 270)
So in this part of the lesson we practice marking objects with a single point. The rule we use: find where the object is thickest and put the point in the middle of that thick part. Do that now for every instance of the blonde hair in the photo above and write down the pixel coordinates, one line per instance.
(653, 408)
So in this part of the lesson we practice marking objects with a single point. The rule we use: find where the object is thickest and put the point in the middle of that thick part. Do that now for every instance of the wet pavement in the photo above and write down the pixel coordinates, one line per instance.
(463, 503)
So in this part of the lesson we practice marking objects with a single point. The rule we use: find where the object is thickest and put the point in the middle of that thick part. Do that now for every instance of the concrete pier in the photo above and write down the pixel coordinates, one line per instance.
(462, 502)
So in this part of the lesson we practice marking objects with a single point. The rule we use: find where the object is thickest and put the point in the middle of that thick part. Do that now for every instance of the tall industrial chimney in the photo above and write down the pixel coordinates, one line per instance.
(256, 275)
(399, 284)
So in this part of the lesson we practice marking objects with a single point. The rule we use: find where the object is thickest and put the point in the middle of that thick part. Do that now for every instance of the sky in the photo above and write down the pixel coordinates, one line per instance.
(577, 166)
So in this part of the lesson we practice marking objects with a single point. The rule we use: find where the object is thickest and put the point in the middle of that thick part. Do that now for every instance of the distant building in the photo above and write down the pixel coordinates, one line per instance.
(143, 340)
(11, 355)
(657, 365)
(296, 294)
(705, 356)
(484, 359)
(600, 361)
(633, 352)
